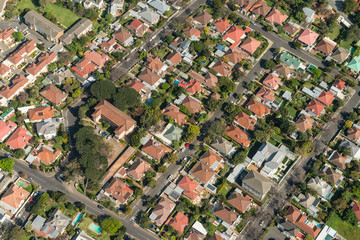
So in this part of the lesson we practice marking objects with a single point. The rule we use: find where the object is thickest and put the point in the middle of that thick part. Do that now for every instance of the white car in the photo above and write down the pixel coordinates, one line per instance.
(169, 177)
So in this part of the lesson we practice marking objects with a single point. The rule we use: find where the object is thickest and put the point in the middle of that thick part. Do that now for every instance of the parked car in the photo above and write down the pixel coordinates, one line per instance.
(30, 178)
(170, 177)
(261, 223)
(101, 207)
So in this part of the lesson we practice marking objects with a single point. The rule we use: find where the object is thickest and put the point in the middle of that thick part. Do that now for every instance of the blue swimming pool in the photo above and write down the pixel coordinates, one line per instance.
(176, 82)
(77, 219)
(95, 228)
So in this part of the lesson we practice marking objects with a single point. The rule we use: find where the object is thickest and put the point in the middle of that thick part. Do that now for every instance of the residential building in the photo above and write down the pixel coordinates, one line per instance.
(179, 222)
(40, 113)
(338, 160)
(45, 154)
(137, 27)
(222, 25)
(304, 123)
(16, 58)
(212, 159)
(13, 198)
(124, 37)
(258, 108)
(39, 67)
(150, 79)
(188, 186)
(321, 187)
(333, 177)
(116, 7)
(19, 139)
(6, 36)
(272, 80)
(92, 60)
(326, 97)
(309, 13)
(81, 235)
(234, 56)
(309, 202)
(53, 94)
(282, 70)
(354, 133)
(162, 211)
(266, 96)
(155, 149)
(260, 8)
(234, 36)
(340, 55)
(354, 64)
(155, 65)
(224, 147)
(173, 58)
(173, 112)
(118, 191)
(44, 26)
(47, 128)
(167, 133)
(289, 229)
(119, 120)
(203, 18)
(327, 233)
(354, 149)
(149, 16)
(6, 128)
(138, 169)
(356, 208)
(160, 6)
(276, 17)
(290, 28)
(245, 5)
(52, 227)
(308, 37)
(193, 104)
(202, 173)
(192, 33)
(245, 121)
(59, 75)
(326, 46)
(315, 108)
(5, 71)
(190, 85)
(239, 201)
(79, 29)
(250, 45)
(110, 45)
(230, 218)
(238, 135)
(209, 80)
(139, 87)
(93, 4)
(256, 184)
(222, 69)
(291, 61)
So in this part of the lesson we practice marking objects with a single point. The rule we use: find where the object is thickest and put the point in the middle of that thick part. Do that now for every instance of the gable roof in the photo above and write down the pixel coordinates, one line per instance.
(6, 128)
(290, 28)
(25, 48)
(239, 201)
(191, 31)
(16, 83)
(258, 108)
(191, 85)
(338, 160)
(282, 70)
(245, 121)
(339, 84)
(53, 94)
(272, 80)
(260, 8)
(188, 186)
(6, 33)
(149, 77)
(326, 45)
(135, 84)
(154, 64)
(174, 112)
(174, 57)
(192, 104)
(315, 107)
(266, 94)
(356, 208)
(304, 122)
(202, 172)
(223, 146)
(222, 25)
(235, 56)
(19, 139)
(138, 168)
(234, 33)
(222, 68)
(179, 222)
(155, 149)
(275, 16)
(14, 196)
(210, 157)
(238, 135)
(257, 182)
(204, 18)
(308, 37)
(340, 54)
(40, 113)
(159, 5)
(119, 190)
(162, 210)
(42, 61)
(226, 214)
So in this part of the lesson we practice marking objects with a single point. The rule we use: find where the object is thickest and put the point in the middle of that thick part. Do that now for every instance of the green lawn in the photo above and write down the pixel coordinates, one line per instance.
(84, 224)
(63, 15)
(345, 229)
(226, 188)
(334, 32)
(292, 111)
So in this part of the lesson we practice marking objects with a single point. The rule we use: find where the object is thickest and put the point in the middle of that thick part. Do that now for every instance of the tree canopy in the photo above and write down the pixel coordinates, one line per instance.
(126, 98)
(111, 225)
(6, 164)
(103, 89)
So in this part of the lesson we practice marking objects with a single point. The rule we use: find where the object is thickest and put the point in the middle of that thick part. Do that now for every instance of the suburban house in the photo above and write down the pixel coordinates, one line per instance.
(188, 186)
(118, 191)
(238, 135)
(162, 211)
(137, 27)
(19, 139)
(150, 79)
(124, 37)
(47, 128)
(190, 85)
(245, 121)
(160, 6)
(222, 25)
(234, 56)
(139, 87)
(92, 60)
(256, 184)
(354, 64)
(276, 17)
(290, 28)
(339, 160)
(155, 149)
(321, 187)
(309, 202)
(196, 233)
(326, 97)
(155, 65)
(192, 33)
(59, 75)
(109, 45)
(326, 46)
(356, 208)
(334, 177)
(138, 169)
(224, 147)
(212, 159)
(122, 123)
(222, 68)
(13, 198)
(260, 8)
(93, 4)
(53, 94)
(304, 123)
(354, 149)
(315, 108)
(44, 26)
(44, 154)
(40, 113)
(6, 128)
(116, 7)
(173, 112)
(239, 201)
(230, 218)
(245, 5)
(289, 229)
(40, 66)
(250, 45)
(308, 37)
(258, 108)
(191, 103)
(340, 55)
(234, 36)
(5, 71)
(82, 27)
(209, 80)
(272, 80)
(173, 58)
(167, 133)
(52, 227)
(202, 173)
(6, 36)
(354, 133)
(179, 222)
(16, 58)
(203, 18)
(148, 16)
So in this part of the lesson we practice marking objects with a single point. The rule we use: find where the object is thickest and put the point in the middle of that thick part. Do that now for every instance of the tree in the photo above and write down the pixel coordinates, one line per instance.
(65, 57)
(269, 64)
(52, 66)
(162, 169)
(239, 157)
(126, 98)
(17, 36)
(350, 216)
(111, 225)
(215, 130)
(226, 85)
(143, 54)
(213, 105)
(350, 6)
(91, 14)
(171, 158)
(103, 89)
(108, 17)
(6, 164)
(127, 210)
(14, 233)
(20, 153)
(296, 44)
(191, 134)
(353, 116)
(42, 3)
(316, 72)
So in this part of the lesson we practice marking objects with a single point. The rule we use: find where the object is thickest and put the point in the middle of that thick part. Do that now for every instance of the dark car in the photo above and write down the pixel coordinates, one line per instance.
(101, 207)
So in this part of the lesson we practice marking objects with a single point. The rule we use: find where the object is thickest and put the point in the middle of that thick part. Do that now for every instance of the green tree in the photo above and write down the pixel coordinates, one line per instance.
(20, 153)
(350, 216)
(111, 225)
(6, 164)
(226, 85)
(296, 44)
(17, 36)
(14, 233)
(127, 210)
(269, 64)
(350, 6)
(91, 14)
(52, 66)
(215, 130)
(103, 89)
(191, 134)
(239, 157)
(126, 98)
(316, 72)
(171, 158)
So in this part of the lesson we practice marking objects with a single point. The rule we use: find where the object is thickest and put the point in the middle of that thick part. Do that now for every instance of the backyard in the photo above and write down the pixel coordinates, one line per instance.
(345, 229)
(63, 15)
(84, 224)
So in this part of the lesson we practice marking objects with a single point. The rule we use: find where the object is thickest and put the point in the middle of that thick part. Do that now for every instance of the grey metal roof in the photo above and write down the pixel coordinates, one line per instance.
(149, 15)
(76, 30)
(38, 223)
(257, 182)
(159, 5)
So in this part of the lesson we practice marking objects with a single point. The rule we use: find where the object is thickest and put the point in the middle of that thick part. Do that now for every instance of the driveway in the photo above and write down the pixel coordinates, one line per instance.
(274, 234)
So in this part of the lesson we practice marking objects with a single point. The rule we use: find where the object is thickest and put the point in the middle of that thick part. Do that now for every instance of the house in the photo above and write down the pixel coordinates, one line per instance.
(234, 56)
(155, 149)
(308, 37)
(79, 29)
(276, 17)
(321, 187)
(139, 87)
(173, 58)
(192, 33)
(245, 5)
(188, 186)
(298, 218)
(160, 6)
(6, 128)
(191, 85)
(354, 64)
(202, 173)
(304, 123)
(17, 57)
(212, 159)
(4, 71)
(6, 36)
(340, 55)
(110, 45)
(44, 26)
(240, 202)
(203, 18)
(179, 222)
(337, 86)
(192, 104)
(124, 37)
(120, 121)
(173, 112)
(209, 80)
(224, 146)
(150, 79)
(282, 70)
(118, 191)
(9, 92)
(333, 176)
(258, 108)
(238, 135)
(326, 46)
(356, 208)
(354, 133)
(354, 149)
(326, 97)
(81, 235)
(338, 160)
(256, 184)
(234, 36)
(222, 25)
(116, 7)
(250, 45)
(92, 60)
(167, 134)
(222, 68)
(53, 94)
(40, 113)
(46, 155)
(59, 75)
(272, 80)
(162, 211)
(229, 218)
(245, 121)
(260, 8)
(138, 169)
(267, 96)
(13, 198)
(149, 16)
(138, 27)
(155, 65)
(37, 68)
(309, 13)
(93, 4)
(290, 28)
(196, 232)
(47, 128)
(315, 108)
(52, 227)
(309, 202)
(289, 229)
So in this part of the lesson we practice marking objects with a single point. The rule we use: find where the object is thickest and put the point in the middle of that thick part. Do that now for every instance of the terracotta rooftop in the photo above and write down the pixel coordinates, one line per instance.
(119, 190)
(226, 214)
(192, 104)
(326, 46)
(238, 135)
(174, 112)
(135, 84)
(53, 94)
(6, 33)
(245, 121)
(154, 64)
(202, 172)
(339, 84)
(304, 123)
(308, 37)
(14, 196)
(235, 34)
(204, 18)
(162, 210)
(40, 113)
(26, 48)
(272, 80)
(235, 56)
(353, 133)
(16, 83)
(275, 16)
(315, 107)
(209, 80)
(222, 25)
(239, 201)
(290, 28)
(258, 108)
(210, 157)
(326, 97)
(179, 222)
(260, 8)
(47, 155)
(191, 85)
(149, 77)
(250, 45)
(188, 186)
(266, 94)
(122, 35)
(6, 128)
(174, 58)
(155, 149)
(191, 31)
(19, 139)
(42, 61)
(222, 68)
(138, 169)
(338, 160)
(332, 176)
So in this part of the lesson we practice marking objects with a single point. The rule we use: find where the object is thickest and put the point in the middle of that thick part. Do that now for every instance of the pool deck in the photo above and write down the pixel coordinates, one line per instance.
(98, 233)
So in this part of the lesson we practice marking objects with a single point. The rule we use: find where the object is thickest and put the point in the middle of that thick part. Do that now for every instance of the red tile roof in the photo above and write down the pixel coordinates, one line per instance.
(97, 58)
(6, 128)
(42, 61)
(155, 149)
(162, 210)
(275, 16)
(222, 25)
(122, 35)
(325, 46)
(191, 31)
(26, 48)
(308, 37)
(14, 196)
(119, 190)
(174, 58)
(235, 34)
(210, 157)
(149, 77)
(90, 62)
(258, 108)
(209, 80)
(250, 45)
(53, 94)
(304, 122)
(154, 64)
(326, 97)
(47, 155)
(356, 209)
(174, 112)
(40, 113)
(179, 222)
(188, 186)
(266, 95)
(353, 133)
(204, 18)
(339, 84)
(3, 69)
(338, 160)
(239, 201)
(272, 80)
(192, 104)
(6, 33)
(138, 169)
(191, 85)
(238, 135)
(135, 84)
(222, 68)
(245, 121)
(202, 172)
(315, 107)
(19, 139)
(226, 214)
(18, 82)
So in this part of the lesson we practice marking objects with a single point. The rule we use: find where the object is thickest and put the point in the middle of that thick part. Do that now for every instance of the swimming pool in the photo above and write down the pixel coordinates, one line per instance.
(95, 228)
(176, 82)
(77, 219)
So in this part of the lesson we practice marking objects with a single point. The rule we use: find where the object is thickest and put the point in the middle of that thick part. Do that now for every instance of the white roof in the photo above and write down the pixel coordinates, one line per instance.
(199, 227)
